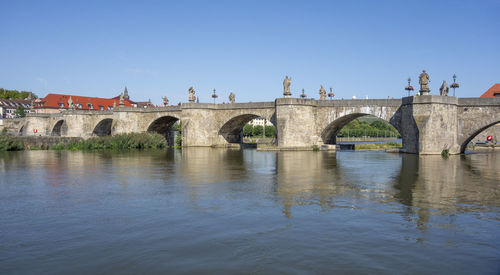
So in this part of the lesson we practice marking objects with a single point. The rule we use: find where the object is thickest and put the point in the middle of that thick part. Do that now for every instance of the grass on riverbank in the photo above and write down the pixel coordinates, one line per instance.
(118, 142)
(8, 143)
(375, 146)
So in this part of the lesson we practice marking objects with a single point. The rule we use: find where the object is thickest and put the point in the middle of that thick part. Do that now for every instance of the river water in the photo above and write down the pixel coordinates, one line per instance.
(218, 211)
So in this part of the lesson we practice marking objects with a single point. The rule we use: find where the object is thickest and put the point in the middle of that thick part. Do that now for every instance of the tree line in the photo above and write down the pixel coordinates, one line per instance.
(15, 94)
(258, 131)
(361, 128)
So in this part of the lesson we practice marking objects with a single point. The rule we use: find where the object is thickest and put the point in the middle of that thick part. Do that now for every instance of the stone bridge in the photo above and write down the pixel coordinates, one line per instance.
(428, 124)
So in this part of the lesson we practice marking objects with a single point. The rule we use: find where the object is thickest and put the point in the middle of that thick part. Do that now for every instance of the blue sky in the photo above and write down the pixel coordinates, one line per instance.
(160, 48)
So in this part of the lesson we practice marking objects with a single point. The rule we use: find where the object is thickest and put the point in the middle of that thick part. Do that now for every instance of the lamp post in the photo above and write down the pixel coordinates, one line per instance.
(331, 94)
(303, 95)
(409, 87)
(214, 96)
(455, 85)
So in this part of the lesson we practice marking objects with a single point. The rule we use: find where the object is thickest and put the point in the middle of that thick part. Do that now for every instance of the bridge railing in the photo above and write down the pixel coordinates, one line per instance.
(229, 106)
(479, 101)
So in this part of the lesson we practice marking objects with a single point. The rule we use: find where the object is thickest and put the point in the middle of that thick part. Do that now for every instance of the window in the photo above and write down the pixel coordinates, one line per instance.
(101, 107)
(61, 105)
(496, 94)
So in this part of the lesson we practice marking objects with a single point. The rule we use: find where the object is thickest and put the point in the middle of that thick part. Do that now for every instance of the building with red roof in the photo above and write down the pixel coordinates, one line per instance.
(494, 91)
(54, 103)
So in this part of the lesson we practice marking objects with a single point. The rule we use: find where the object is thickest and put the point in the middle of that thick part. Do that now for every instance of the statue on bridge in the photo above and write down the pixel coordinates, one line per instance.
(165, 101)
(322, 93)
(192, 97)
(232, 97)
(70, 103)
(423, 80)
(444, 89)
(286, 86)
(122, 100)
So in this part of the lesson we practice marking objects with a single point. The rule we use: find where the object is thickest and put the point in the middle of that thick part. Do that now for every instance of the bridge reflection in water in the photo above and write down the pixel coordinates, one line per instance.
(151, 211)
(409, 184)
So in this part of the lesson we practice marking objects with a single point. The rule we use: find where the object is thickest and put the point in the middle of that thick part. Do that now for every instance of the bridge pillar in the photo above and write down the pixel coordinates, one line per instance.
(296, 123)
(198, 125)
(429, 124)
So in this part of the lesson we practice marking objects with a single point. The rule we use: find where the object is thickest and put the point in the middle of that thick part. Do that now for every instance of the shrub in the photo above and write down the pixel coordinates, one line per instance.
(8, 143)
(118, 142)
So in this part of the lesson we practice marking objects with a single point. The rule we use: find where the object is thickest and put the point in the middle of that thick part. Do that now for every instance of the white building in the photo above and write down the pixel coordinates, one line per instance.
(260, 121)
(8, 107)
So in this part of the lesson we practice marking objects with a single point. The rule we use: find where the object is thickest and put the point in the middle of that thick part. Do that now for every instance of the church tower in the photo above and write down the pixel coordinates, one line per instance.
(125, 93)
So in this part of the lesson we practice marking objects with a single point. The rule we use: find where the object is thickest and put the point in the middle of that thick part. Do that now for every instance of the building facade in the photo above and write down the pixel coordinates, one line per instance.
(8, 107)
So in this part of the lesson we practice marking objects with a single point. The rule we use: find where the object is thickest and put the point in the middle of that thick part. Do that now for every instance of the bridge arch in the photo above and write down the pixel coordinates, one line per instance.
(469, 136)
(231, 130)
(163, 126)
(103, 127)
(21, 130)
(60, 128)
(329, 133)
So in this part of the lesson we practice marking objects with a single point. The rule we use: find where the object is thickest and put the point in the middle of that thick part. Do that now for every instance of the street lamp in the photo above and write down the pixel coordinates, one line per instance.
(409, 87)
(214, 96)
(303, 95)
(331, 94)
(455, 85)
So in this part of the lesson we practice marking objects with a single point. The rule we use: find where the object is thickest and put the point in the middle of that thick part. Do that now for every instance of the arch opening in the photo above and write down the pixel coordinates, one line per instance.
(103, 128)
(359, 127)
(244, 126)
(164, 126)
(60, 128)
(479, 136)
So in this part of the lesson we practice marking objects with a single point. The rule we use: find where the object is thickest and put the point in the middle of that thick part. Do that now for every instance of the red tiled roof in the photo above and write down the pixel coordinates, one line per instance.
(80, 102)
(118, 97)
(495, 89)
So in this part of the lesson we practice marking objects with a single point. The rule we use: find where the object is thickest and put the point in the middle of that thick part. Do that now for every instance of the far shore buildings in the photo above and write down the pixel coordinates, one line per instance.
(494, 91)
(8, 107)
(494, 130)
(260, 121)
(55, 103)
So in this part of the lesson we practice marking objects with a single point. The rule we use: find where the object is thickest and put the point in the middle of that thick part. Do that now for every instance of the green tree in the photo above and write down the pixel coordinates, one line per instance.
(247, 130)
(270, 130)
(178, 139)
(177, 126)
(20, 112)
(257, 131)
(15, 94)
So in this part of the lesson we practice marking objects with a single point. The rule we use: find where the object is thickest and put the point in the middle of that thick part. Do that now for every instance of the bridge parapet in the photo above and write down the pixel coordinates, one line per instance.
(339, 102)
(479, 101)
(43, 115)
(149, 110)
(229, 106)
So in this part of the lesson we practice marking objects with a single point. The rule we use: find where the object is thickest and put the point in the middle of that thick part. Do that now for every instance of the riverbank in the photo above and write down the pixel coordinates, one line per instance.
(118, 142)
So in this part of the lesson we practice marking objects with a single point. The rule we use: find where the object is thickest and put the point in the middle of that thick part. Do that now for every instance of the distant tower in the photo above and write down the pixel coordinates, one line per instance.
(125, 94)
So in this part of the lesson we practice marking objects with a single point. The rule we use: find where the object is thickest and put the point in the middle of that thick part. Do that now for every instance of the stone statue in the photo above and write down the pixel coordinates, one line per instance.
(165, 101)
(192, 97)
(231, 97)
(122, 100)
(286, 86)
(423, 80)
(444, 89)
(322, 93)
(70, 103)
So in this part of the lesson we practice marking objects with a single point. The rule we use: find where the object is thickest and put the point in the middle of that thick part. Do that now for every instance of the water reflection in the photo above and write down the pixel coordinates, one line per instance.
(275, 212)
(421, 185)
